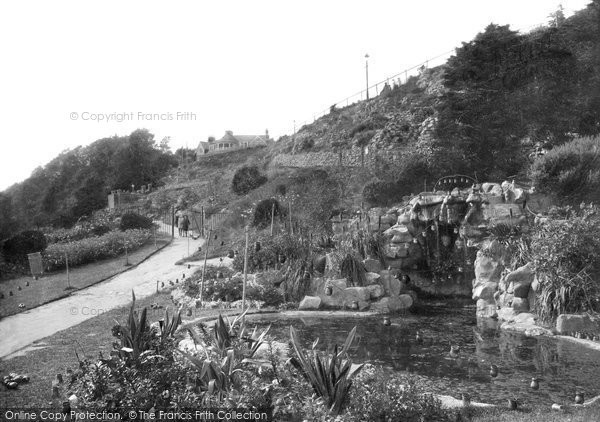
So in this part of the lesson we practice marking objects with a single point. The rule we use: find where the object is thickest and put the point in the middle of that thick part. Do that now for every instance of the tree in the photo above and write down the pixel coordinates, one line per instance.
(246, 179)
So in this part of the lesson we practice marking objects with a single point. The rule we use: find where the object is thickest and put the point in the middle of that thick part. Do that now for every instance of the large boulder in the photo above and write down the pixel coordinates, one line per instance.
(485, 290)
(376, 291)
(310, 302)
(391, 284)
(570, 323)
(358, 293)
(486, 309)
(520, 280)
(487, 268)
(393, 304)
(372, 278)
(337, 297)
(520, 305)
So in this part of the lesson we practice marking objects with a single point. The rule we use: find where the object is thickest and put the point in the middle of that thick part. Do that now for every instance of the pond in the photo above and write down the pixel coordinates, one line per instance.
(561, 366)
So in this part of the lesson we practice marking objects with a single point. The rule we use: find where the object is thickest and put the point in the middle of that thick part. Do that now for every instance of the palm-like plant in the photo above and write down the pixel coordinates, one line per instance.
(135, 336)
(217, 375)
(329, 375)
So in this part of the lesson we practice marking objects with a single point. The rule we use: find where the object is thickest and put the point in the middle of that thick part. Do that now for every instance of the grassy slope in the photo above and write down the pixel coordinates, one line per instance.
(54, 286)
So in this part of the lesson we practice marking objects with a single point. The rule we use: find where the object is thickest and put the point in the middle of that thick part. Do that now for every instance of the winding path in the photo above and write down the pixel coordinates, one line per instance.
(20, 330)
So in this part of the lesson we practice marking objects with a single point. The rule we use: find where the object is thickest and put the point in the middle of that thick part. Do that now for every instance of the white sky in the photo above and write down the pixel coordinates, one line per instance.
(244, 66)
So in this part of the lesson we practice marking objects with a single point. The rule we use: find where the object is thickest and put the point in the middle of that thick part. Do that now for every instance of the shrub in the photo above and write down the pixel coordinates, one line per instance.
(380, 193)
(263, 210)
(570, 171)
(265, 290)
(132, 221)
(566, 261)
(246, 179)
(92, 249)
(17, 247)
(379, 396)
(80, 231)
(330, 375)
(272, 248)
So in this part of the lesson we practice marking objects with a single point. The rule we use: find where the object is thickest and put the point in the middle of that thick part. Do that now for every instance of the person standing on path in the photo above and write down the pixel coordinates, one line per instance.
(181, 224)
(186, 225)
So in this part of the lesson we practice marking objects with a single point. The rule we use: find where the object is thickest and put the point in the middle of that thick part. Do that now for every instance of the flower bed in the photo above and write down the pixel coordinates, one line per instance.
(93, 249)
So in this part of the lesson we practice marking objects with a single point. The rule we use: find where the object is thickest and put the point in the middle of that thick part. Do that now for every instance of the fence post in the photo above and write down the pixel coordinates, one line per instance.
(68, 278)
(202, 220)
(173, 222)
(272, 217)
(245, 272)
(291, 227)
(204, 268)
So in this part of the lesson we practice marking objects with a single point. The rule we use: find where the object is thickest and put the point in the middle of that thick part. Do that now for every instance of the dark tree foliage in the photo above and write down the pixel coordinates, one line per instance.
(246, 179)
(504, 87)
(7, 220)
(17, 247)
(263, 211)
(76, 182)
(135, 221)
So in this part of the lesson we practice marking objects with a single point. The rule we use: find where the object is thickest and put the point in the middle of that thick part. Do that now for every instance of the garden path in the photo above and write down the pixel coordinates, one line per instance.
(20, 330)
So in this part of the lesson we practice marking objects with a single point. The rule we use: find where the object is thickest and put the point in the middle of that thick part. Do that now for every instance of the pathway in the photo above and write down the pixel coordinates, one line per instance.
(20, 330)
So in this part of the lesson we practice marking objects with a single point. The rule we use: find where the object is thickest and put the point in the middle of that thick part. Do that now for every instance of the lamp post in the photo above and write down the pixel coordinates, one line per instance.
(367, 73)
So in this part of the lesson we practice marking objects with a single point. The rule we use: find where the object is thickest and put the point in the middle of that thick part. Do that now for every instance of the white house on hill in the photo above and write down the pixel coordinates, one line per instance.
(229, 141)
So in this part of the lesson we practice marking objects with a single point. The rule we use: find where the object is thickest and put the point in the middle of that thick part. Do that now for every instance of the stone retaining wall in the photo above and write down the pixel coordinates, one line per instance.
(353, 157)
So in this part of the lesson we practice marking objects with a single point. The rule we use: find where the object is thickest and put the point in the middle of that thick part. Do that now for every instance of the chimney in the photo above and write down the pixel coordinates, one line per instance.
(229, 132)
(267, 133)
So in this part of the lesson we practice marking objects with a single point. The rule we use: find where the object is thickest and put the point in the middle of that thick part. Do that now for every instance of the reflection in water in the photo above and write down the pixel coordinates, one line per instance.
(561, 367)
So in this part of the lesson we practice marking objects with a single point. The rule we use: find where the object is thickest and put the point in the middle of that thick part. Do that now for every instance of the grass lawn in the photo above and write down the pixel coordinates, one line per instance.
(88, 338)
(53, 286)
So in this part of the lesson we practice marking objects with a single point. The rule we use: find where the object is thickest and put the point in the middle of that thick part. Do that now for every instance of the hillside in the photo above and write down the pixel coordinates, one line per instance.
(501, 96)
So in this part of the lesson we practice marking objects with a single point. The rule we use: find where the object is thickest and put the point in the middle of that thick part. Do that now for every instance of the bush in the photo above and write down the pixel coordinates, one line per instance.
(265, 290)
(17, 247)
(132, 221)
(246, 179)
(379, 396)
(380, 193)
(92, 249)
(76, 233)
(263, 210)
(271, 249)
(570, 171)
(566, 261)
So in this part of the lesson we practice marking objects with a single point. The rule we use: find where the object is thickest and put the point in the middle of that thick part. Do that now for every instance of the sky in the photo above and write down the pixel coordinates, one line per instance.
(73, 72)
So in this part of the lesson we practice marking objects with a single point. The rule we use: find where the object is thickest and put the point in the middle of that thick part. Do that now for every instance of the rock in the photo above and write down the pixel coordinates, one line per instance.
(372, 265)
(520, 305)
(486, 309)
(531, 298)
(506, 314)
(568, 323)
(521, 279)
(487, 269)
(485, 291)
(525, 323)
(358, 293)
(372, 278)
(338, 287)
(363, 305)
(400, 303)
(309, 302)
(382, 306)
(376, 291)
(391, 285)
